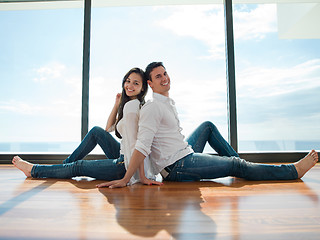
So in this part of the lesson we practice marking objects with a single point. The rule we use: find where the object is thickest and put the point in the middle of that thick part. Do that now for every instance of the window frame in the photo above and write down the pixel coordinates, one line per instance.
(231, 91)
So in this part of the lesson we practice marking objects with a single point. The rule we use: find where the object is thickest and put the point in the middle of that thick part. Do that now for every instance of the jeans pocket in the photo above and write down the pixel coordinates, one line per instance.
(183, 177)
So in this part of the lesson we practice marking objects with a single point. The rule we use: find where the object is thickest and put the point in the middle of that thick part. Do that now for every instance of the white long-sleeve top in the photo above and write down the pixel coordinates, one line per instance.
(159, 134)
(128, 129)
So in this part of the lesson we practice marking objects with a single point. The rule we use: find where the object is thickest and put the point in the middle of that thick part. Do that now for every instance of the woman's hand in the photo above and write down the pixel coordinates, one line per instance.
(118, 99)
(113, 184)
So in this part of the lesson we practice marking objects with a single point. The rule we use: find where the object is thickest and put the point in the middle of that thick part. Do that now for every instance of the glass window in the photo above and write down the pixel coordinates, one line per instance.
(277, 51)
(40, 87)
(189, 40)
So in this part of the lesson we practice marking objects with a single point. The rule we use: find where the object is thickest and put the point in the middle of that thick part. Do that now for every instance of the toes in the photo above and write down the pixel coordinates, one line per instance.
(315, 156)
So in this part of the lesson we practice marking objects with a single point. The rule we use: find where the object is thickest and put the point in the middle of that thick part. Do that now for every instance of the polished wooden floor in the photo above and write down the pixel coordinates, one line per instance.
(227, 208)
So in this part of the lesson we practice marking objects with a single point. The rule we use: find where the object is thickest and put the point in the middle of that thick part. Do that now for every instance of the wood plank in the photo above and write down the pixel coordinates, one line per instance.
(226, 208)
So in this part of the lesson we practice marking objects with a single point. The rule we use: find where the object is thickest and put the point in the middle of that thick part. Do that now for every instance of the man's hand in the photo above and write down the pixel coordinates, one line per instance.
(135, 161)
(122, 183)
(113, 184)
(147, 181)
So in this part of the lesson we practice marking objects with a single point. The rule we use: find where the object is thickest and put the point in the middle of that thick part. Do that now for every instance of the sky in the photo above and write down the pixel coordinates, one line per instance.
(277, 80)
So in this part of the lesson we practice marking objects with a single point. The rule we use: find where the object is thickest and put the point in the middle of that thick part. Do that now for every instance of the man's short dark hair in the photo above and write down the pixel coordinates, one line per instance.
(152, 66)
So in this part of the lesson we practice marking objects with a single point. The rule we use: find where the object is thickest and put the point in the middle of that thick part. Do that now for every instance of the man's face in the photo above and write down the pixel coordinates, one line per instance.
(160, 81)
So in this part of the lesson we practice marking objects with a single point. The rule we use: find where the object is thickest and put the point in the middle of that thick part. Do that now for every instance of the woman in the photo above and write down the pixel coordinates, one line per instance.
(124, 120)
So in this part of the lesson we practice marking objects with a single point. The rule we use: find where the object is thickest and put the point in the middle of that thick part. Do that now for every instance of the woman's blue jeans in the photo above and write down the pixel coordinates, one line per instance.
(105, 169)
(96, 136)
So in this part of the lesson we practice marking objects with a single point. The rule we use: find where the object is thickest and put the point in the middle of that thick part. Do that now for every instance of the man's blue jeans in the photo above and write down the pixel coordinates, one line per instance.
(105, 169)
(197, 166)
(208, 132)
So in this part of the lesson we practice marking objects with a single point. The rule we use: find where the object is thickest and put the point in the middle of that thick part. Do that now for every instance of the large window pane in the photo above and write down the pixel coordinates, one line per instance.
(277, 50)
(40, 87)
(189, 40)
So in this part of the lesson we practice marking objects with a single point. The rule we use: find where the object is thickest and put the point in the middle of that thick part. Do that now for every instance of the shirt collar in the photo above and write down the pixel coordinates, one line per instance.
(162, 98)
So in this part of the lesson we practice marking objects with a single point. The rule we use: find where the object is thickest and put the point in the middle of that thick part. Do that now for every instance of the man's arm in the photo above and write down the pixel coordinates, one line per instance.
(135, 161)
(150, 116)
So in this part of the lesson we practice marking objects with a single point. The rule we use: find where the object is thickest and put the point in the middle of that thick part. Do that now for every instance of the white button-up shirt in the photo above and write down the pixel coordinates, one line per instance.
(159, 134)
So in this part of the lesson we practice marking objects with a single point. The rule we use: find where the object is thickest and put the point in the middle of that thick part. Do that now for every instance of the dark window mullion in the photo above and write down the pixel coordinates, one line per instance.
(85, 69)
(230, 68)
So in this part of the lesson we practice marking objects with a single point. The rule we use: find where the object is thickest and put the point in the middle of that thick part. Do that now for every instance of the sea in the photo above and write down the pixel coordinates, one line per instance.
(243, 146)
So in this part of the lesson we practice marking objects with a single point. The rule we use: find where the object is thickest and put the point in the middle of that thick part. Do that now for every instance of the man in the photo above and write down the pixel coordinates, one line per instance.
(160, 137)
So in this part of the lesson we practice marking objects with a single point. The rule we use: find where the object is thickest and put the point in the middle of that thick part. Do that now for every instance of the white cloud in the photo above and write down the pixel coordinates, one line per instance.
(255, 23)
(53, 70)
(279, 102)
(58, 95)
(261, 81)
(103, 91)
(206, 24)
(196, 103)
(19, 107)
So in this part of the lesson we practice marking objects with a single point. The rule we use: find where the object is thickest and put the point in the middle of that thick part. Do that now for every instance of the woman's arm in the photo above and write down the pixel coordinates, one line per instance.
(113, 115)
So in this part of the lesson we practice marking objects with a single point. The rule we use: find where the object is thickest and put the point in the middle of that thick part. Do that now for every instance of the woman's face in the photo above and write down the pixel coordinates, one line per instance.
(133, 85)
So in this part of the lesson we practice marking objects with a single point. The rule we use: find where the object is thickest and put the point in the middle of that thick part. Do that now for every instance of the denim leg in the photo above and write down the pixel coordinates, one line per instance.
(208, 132)
(197, 166)
(96, 135)
(106, 169)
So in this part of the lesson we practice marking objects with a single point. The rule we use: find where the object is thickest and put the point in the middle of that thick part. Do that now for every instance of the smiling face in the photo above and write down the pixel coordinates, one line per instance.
(160, 81)
(133, 85)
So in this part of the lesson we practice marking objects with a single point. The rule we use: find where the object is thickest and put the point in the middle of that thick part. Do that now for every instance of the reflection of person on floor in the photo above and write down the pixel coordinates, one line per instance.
(153, 210)
(124, 120)
(160, 138)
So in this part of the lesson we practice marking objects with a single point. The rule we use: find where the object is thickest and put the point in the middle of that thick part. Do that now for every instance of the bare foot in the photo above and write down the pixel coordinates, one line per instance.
(306, 163)
(24, 166)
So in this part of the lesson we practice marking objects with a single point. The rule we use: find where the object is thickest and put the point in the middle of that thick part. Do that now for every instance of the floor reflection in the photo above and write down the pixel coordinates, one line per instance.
(219, 209)
(145, 211)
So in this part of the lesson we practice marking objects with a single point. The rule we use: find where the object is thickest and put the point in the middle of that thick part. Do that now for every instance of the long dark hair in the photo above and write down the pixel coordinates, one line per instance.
(125, 98)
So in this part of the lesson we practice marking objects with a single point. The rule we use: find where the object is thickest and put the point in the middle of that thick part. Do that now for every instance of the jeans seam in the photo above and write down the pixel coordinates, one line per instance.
(223, 145)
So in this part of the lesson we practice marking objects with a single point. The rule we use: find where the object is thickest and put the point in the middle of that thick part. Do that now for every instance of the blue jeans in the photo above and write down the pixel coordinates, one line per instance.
(106, 169)
(197, 166)
(96, 135)
(208, 132)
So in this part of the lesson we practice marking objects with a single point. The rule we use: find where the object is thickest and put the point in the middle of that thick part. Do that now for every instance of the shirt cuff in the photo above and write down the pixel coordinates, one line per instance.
(142, 148)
